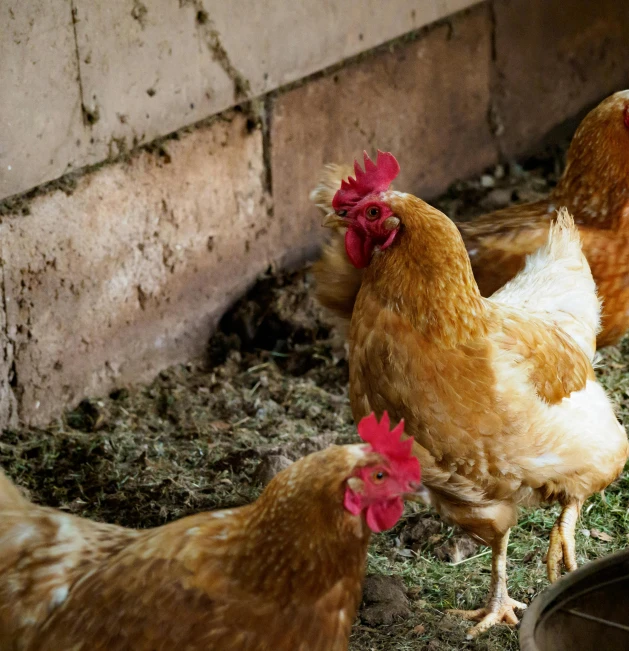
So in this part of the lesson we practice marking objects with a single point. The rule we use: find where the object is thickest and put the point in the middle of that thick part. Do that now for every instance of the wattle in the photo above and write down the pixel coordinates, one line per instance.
(359, 248)
(384, 515)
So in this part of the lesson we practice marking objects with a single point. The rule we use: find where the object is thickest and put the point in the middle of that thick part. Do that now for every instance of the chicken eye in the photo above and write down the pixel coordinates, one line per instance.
(373, 212)
(378, 477)
(341, 213)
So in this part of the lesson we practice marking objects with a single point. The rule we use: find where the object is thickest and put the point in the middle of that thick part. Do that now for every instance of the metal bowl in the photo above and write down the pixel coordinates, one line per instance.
(586, 610)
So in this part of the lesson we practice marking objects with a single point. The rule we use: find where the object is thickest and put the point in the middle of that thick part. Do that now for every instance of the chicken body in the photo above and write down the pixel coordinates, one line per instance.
(283, 573)
(499, 394)
(594, 188)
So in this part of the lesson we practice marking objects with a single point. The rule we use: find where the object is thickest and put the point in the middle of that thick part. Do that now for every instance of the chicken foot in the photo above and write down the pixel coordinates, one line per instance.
(500, 607)
(562, 546)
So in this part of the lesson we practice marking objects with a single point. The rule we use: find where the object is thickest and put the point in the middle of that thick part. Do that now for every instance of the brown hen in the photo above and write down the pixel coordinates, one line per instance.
(499, 394)
(283, 573)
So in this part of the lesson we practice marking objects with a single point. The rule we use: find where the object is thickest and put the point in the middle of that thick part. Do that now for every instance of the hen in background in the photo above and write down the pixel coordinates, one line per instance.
(499, 394)
(595, 189)
(337, 281)
(283, 573)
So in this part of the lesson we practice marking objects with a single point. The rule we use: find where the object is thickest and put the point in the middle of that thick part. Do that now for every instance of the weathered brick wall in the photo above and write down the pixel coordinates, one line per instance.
(116, 272)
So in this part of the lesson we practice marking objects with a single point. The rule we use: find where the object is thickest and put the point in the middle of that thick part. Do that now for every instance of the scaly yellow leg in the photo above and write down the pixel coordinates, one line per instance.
(562, 544)
(500, 607)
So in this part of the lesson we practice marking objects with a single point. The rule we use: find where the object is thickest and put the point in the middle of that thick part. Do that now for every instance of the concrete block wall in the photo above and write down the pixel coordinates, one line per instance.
(129, 273)
(84, 80)
(125, 265)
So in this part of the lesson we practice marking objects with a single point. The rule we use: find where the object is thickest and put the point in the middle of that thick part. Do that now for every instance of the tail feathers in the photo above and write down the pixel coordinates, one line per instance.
(556, 284)
(564, 241)
(337, 280)
(329, 182)
(11, 496)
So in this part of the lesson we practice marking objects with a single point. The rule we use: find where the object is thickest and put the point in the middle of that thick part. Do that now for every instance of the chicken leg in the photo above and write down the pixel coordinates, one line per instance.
(562, 545)
(500, 607)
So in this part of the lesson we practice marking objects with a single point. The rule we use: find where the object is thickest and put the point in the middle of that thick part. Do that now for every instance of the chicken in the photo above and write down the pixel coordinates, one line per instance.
(499, 394)
(594, 188)
(282, 573)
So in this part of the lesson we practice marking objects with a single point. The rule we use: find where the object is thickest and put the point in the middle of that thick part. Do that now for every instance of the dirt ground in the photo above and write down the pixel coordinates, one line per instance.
(273, 386)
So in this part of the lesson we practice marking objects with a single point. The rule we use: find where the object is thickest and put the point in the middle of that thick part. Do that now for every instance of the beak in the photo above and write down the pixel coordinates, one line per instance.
(332, 220)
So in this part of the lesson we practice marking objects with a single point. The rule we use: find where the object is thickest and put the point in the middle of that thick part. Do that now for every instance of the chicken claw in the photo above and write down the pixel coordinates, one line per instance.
(562, 545)
(499, 610)
(500, 607)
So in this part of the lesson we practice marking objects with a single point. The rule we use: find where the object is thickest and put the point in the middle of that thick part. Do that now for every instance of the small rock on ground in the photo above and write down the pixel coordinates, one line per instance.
(457, 549)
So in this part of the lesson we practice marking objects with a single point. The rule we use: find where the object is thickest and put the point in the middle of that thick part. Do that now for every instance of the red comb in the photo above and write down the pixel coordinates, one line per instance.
(626, 118)
(389, 443)
(377, 177)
